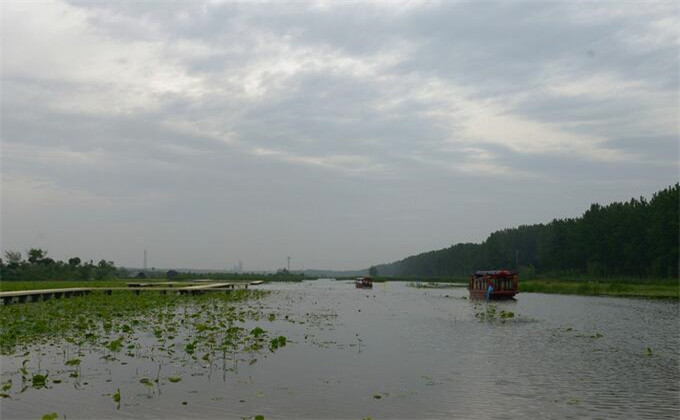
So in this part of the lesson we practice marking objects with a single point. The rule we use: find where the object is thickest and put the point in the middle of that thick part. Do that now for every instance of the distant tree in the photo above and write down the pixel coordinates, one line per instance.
(35, 255)
(13, 257)
(171, 274)
(46, 261)
(104, 269)
(74, 262)
(631, 238)
(373, 271)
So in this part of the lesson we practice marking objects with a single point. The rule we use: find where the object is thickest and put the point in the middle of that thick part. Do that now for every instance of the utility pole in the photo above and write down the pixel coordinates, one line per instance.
(289, 264)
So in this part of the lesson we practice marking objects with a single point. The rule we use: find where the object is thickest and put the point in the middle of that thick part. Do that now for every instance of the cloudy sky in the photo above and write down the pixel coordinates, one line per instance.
(343, 135)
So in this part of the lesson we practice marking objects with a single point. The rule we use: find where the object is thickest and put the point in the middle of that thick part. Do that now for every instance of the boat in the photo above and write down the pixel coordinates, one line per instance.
(505, 284)
(363, 283)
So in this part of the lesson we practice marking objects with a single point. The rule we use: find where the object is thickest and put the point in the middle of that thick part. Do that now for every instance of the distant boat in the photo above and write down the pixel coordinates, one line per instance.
(363, 283)
(505, 284)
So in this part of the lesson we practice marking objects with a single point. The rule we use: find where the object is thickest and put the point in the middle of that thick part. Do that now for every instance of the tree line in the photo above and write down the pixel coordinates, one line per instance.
(38, 266)
(637, 238)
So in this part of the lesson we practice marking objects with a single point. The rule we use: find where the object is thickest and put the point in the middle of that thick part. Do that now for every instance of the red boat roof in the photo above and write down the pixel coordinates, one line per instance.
(494, 273)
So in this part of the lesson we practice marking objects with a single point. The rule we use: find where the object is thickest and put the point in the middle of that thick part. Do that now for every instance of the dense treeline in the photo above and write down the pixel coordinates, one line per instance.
(38, 266)
(638, 238)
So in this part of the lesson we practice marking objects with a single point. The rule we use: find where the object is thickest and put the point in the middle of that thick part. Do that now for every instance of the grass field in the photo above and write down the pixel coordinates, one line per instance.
(668, 289)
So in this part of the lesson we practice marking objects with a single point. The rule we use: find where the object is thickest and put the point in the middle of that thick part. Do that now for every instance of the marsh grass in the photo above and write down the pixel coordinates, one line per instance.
(652, 289)
(10, 286)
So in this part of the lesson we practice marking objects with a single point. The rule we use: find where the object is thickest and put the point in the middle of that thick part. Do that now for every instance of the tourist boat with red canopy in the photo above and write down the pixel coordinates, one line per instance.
(505, 284)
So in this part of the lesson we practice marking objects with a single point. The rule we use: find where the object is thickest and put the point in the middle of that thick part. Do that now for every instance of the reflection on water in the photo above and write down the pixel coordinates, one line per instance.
(397, 352)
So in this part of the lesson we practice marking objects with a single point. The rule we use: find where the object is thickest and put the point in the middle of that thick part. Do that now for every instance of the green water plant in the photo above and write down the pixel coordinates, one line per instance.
(39, 381)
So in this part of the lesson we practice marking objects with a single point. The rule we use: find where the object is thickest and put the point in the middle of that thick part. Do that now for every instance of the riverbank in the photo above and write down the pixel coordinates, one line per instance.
(10, 286)
(620, 287)
(663, 289)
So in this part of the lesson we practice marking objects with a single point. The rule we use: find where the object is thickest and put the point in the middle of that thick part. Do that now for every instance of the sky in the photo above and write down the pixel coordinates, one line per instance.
(339, 134)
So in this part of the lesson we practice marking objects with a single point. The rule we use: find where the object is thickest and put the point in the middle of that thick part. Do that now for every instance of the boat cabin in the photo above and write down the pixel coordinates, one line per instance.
(505, 284)
(363, 283)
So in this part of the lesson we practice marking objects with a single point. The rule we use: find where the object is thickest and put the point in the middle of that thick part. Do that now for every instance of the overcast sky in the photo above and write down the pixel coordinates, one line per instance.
(343, 135)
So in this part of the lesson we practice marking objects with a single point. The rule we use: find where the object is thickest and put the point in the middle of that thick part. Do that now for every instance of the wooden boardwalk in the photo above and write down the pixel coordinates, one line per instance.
(23, 296)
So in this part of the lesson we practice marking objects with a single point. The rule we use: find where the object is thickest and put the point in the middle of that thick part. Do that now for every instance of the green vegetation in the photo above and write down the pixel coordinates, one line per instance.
(201, 332)
(638, 238)
(490, 313)
(666, 288)
(8, 286)
(38, 266)
(111, 321)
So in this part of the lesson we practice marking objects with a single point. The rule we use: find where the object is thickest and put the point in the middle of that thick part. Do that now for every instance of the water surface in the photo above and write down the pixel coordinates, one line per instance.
(393, 352)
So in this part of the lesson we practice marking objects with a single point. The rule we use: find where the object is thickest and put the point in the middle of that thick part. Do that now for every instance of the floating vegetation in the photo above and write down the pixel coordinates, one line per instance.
(206, 331)
(51, 416)
(277, 342)
(39, 381)
(116, 397)
(507, 314)
(648, 351)
(491, 313)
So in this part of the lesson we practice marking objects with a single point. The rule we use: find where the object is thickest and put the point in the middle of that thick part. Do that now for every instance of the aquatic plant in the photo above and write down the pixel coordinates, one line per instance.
(275, 343)
(490, 313)
(39, 381)
(209, 331)
(116, 396)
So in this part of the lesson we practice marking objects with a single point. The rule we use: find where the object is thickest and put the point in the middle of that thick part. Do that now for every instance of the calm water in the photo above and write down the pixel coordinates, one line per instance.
(422, 351)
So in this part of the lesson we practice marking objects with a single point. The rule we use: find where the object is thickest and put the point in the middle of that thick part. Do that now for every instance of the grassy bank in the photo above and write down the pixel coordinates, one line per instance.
(8, 286)
(667, 289)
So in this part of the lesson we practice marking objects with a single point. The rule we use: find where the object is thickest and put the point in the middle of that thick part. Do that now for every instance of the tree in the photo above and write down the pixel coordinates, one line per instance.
(35, 255)
(13, 257)
(74, 262)
(373, 271)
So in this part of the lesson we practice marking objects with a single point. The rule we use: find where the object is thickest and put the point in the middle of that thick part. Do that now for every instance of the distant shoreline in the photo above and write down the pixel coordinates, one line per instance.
(649, 288)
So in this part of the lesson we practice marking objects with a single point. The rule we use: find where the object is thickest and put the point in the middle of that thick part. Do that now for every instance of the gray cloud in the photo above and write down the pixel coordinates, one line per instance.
(344, 135)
